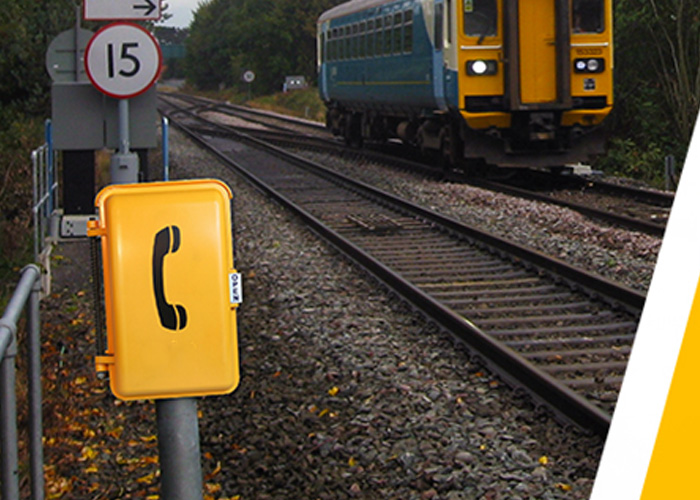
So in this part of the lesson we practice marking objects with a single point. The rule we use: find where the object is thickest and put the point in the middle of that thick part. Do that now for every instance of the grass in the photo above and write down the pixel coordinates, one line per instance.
(301, 103)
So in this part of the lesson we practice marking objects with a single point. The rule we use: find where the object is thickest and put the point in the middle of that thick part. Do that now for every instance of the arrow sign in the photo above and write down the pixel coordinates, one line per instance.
(148, 7)
(113, 10)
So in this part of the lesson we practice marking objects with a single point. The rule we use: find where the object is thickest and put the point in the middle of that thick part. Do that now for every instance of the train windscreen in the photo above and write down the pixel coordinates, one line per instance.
(588, 16)
(480, 18)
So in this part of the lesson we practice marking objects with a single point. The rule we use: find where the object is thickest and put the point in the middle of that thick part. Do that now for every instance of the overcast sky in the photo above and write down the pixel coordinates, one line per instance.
(181, 11)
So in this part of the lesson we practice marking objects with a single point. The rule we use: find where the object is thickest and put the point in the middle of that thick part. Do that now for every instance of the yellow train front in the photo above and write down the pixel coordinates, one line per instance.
(508, 82)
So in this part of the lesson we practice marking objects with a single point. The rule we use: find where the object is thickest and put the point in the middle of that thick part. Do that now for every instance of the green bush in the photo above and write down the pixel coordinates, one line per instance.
(302, 103)
(627, 159)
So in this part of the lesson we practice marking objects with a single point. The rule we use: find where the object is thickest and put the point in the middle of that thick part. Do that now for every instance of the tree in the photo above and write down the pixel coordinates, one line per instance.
(273, 38)
(26, 29)
(657, 75)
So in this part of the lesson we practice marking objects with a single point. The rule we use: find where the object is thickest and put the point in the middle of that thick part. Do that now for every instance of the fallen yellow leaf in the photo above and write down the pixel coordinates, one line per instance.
(147, 479)
(87, 453)
(333, 391)
(213, 473)
(212, 487)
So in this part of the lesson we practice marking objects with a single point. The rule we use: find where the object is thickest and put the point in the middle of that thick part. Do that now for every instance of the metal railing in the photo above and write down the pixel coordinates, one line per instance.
(27, 294)
(45, 199)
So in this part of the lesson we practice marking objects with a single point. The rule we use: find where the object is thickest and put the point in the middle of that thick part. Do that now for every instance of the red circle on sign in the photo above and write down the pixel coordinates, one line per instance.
(114, 65)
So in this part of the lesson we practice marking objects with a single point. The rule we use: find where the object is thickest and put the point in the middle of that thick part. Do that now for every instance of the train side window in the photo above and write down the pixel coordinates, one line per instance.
(449, 22)
(348, 43)
(353, 42)
(361, 50)
(398, 46)
(370, 38)
(379, 47)
(439, 32)
(588, 16)
(387, 35)
(323, 48)
(408, 32)
(480, 18)
(332, 34)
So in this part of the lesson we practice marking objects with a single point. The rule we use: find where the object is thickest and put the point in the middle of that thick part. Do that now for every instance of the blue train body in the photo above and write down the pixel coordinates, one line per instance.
(405, 79)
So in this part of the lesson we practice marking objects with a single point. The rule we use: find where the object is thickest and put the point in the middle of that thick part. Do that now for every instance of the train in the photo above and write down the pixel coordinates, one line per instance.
(507, 83)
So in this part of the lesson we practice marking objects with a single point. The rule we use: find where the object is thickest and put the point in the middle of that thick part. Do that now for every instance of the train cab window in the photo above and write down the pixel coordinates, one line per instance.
(588, 16)
(398, 46)
(480, 18)
(408, 32)
(387, 35)
(370, 38)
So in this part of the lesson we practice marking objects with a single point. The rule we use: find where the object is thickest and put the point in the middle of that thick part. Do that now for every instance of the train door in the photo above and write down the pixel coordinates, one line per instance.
(538, 55)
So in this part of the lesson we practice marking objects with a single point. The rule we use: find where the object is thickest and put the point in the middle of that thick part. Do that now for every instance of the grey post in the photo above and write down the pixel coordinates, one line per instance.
(178, 447)
(124, 166)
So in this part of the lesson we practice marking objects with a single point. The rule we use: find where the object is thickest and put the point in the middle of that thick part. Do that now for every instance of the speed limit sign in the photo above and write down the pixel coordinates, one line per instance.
(123, 60)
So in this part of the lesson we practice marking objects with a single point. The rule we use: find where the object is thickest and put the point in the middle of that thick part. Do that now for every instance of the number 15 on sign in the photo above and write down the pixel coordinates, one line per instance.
(123, 60)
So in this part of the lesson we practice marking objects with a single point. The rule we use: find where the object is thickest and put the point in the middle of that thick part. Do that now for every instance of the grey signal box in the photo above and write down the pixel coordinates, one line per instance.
(84, 118)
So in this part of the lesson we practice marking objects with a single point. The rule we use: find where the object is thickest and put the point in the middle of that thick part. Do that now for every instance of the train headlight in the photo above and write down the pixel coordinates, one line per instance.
(482, 67)
(595, 65)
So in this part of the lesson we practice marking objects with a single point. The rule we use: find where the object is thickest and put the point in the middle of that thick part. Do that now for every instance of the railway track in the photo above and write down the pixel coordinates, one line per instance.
(562, 334)
(628, 207)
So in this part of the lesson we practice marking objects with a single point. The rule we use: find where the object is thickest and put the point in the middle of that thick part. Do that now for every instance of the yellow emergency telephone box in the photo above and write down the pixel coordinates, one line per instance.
(171, 289)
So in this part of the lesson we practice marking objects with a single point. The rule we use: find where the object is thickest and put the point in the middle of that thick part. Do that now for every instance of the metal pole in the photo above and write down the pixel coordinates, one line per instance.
(125, 164)
(48, 133)
(670, 172)
(9, 475)
(166, 149)
(35, 200)
(9, 471)
(76, 40)
(178, 446)
(124, 139)
(36, 450)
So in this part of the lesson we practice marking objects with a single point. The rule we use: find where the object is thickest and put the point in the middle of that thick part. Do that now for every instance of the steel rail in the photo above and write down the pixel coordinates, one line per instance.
(513, 367)
(637, 224)
(652, 228)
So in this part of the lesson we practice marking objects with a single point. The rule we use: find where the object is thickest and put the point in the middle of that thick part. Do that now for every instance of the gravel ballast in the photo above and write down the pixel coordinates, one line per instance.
(347, 393)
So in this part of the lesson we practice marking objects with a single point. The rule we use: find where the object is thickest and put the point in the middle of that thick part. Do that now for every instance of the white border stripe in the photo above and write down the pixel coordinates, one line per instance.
(635, 424)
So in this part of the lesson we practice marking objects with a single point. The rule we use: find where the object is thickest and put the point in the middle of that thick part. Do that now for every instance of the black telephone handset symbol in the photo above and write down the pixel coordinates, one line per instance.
(167, 241)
